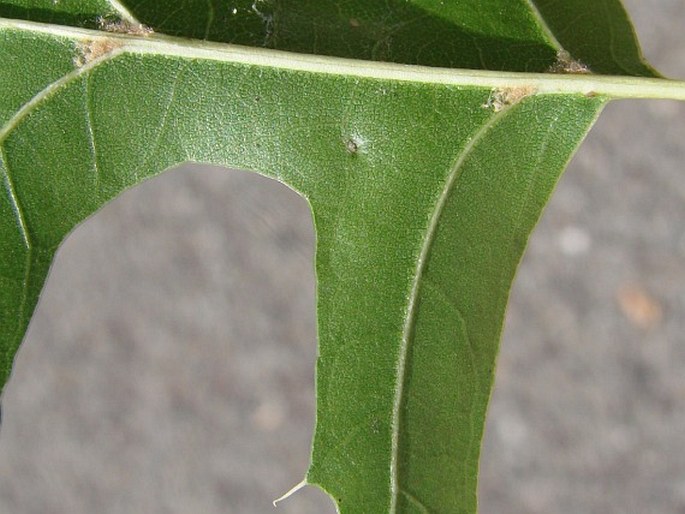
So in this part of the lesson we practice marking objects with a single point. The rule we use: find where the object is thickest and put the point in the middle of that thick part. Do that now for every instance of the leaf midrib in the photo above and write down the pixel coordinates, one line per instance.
(609, 86)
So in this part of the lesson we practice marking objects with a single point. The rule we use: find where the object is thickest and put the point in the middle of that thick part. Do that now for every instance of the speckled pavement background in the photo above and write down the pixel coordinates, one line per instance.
(169, 367)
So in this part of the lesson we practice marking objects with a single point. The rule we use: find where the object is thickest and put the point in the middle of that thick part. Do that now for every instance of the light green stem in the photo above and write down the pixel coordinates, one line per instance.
(612, 87)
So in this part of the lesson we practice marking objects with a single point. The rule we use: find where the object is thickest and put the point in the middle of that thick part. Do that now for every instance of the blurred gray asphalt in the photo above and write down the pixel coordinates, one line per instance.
(169, 367)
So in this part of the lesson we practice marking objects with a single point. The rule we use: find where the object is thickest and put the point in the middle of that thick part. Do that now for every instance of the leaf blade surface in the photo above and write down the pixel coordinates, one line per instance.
(420, 226)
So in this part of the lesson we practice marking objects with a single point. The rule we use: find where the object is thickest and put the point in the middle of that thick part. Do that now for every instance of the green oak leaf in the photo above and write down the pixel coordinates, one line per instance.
(426, 136)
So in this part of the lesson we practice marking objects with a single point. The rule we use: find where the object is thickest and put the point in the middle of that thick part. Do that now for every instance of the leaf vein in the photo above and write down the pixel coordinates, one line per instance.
(462, 322)
(435, 287)
(413, 499)
(350, 435)
(49, 90)
(210, 18)
(543, 25)
(14, 199)
(410, 318)
(91, 133)
(163, 123)
(123, 11)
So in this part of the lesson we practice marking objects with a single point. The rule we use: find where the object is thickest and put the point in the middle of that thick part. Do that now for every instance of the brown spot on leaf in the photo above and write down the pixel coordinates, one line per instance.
(352, 146)
(507, 96)
(92, 49)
